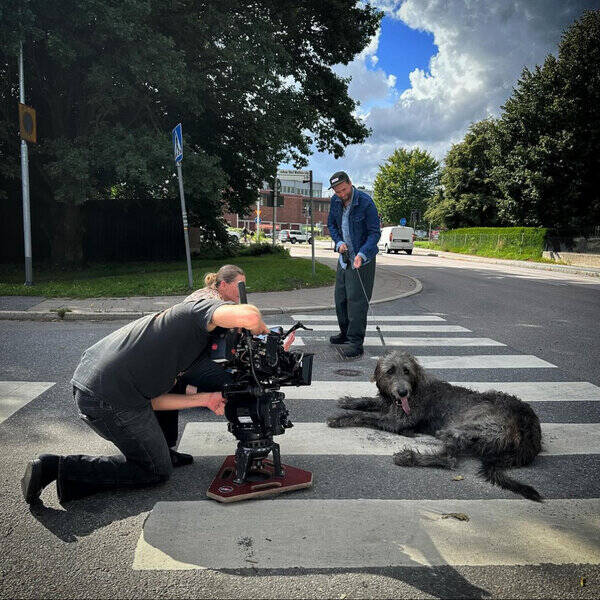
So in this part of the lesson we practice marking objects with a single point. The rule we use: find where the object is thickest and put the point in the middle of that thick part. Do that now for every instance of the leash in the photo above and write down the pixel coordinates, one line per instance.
(346, 259)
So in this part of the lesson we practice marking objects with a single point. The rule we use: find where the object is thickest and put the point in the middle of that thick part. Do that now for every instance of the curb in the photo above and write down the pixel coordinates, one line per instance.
(26, 315)
(513, 263)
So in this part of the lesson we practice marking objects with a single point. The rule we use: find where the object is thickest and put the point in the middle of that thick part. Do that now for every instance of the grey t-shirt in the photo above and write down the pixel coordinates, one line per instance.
(141, 360)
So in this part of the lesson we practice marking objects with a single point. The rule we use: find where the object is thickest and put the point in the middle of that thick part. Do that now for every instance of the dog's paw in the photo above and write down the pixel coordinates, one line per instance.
(338, 421)
(405, 458)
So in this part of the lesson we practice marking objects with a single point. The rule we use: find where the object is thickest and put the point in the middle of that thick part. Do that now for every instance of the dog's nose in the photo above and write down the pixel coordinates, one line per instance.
(402, 391)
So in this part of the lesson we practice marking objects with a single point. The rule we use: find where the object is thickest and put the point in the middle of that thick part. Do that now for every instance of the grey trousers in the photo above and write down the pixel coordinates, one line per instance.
(351, 302)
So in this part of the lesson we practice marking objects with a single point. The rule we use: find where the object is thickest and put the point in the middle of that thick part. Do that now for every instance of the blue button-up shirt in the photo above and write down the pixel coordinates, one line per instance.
(347, 236)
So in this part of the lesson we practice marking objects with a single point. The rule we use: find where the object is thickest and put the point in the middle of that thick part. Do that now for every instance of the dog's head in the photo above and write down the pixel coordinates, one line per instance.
(397, 376)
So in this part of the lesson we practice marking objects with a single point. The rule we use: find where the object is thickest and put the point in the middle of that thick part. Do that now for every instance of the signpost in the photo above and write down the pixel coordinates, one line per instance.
(403, 221)
(312, 223)
(178, 154)
(28, 131)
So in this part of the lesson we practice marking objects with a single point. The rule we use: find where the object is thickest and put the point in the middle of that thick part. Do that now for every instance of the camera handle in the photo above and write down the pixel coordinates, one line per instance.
(242, 292)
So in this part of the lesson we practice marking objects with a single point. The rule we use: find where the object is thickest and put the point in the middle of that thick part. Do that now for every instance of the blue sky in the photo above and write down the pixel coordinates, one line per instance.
(402, 50)
(414, 93)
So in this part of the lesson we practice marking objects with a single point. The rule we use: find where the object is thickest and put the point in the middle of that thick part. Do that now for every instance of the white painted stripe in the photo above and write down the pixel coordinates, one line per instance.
(213, 439)
(298, 342)
(326, 534)
(483, 361)
(529, 391)
(540, 391)
(16, 394)
(424, 341)
(382, 319)
(384, 328)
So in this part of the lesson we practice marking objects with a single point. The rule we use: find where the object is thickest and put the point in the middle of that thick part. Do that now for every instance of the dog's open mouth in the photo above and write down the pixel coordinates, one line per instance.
(405, 405)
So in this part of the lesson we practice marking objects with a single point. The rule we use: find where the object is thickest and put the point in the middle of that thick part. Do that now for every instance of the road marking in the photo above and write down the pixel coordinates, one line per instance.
(382, 319)
(14, 395)
(529, 391)
(421, 328)
(327, 534)
(424, 341)
(540, 391)
(213, 439)
(483, 361)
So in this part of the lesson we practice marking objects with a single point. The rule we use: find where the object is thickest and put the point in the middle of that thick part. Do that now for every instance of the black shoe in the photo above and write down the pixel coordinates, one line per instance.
(179, 459)
(38, 474)
(340, 338)
(347, 351)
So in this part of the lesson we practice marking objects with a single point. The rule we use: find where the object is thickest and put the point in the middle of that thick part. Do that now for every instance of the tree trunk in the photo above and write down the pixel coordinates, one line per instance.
(67, 237)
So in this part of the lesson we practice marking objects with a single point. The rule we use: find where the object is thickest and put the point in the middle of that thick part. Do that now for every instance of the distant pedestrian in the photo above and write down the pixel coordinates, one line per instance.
(354, 226)
(245, 233)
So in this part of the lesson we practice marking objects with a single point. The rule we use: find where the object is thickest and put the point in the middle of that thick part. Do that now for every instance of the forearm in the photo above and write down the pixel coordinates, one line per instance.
(181, 401)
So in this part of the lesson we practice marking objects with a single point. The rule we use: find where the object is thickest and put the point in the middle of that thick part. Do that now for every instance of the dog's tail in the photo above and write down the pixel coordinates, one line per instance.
(496, 475)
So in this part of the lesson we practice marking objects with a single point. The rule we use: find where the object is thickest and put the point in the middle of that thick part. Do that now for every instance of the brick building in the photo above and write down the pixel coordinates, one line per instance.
(292, 215)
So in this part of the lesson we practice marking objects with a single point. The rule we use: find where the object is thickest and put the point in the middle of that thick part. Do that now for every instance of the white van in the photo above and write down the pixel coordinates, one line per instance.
(397, 238)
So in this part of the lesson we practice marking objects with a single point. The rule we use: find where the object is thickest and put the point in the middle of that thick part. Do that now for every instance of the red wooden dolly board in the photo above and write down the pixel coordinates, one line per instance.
(223, 489)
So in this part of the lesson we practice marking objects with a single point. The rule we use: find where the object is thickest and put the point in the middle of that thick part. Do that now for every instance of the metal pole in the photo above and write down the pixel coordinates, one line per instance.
(185, 226)
(312, 222)
(25, 183)
(258, 220)
(274, 206)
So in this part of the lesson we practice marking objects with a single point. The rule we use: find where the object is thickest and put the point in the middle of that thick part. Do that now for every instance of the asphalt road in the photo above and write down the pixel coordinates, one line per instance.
(349, 535)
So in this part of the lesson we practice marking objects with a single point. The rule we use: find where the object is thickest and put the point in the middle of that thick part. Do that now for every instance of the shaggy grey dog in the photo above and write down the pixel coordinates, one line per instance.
(500, 429)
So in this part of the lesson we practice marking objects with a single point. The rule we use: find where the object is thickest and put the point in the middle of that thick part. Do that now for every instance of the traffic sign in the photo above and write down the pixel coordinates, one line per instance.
(178, 143)
(27, 123)
(402, 221)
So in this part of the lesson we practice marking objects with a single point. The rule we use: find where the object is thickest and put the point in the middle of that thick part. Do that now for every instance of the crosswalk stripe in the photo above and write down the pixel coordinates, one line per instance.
(393, 328)
(425, 341)
(321, 534)
(16, 394)
(529, 391)
(382, 319)
(483, 361)
(212, 439)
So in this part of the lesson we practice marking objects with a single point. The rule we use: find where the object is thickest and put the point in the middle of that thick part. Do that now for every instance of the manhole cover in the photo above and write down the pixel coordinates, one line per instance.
(348, 372)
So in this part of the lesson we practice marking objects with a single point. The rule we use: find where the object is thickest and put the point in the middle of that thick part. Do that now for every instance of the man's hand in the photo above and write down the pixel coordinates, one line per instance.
(261, 327)
(289, 340)
(342, 247)
(357, 262)
(215, 402)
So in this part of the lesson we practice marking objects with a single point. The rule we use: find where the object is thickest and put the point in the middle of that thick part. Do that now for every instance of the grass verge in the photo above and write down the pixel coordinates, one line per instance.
(265, 273)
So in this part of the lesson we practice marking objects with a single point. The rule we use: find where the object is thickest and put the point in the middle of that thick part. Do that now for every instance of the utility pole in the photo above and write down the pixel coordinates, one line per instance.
(274, 205)
(25, 183)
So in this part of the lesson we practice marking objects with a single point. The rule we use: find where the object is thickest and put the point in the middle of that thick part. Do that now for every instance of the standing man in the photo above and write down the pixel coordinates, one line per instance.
(354, 226)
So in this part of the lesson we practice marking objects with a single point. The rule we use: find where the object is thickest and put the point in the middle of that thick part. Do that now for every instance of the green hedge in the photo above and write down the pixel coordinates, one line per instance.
(524, 243)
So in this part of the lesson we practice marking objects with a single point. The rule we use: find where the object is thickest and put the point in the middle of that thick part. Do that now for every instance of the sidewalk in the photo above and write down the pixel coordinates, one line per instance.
(590, 271)
(29, 308)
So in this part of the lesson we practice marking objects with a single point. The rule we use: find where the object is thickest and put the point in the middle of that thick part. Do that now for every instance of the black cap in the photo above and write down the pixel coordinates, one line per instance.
(337, 178)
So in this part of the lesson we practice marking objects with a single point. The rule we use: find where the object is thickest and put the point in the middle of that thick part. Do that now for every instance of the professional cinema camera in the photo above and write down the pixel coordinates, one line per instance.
(255, 409)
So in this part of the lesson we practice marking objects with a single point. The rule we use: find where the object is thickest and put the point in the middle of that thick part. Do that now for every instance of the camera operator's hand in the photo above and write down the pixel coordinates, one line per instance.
(215, 402)
(289, 340)
(342, 248)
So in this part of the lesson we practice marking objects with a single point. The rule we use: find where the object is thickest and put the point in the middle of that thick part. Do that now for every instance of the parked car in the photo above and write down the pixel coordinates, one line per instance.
(234, 235)
(293, 236)
(421, 234)
(394, 239)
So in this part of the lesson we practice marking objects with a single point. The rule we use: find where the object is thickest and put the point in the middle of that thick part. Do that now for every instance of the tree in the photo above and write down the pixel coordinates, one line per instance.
(546, 155)
(468, 196)
(404, 183)
(250, 81)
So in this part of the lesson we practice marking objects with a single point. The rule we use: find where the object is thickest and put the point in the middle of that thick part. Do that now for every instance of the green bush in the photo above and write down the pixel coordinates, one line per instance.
(523, 243)
(262, 248)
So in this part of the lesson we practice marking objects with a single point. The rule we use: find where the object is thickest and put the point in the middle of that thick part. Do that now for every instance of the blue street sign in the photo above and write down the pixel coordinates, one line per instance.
(402, 221)
(178, 143)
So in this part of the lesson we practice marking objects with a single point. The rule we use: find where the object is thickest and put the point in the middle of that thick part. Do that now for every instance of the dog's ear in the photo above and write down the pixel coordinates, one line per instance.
(376, 373)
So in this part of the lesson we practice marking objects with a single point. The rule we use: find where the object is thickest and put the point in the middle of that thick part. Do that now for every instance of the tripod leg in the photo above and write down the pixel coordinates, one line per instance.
(277, 470)
(242, 462)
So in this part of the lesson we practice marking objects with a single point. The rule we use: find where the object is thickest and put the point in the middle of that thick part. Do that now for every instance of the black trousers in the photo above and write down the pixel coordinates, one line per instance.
(352, 302)
(142, 435)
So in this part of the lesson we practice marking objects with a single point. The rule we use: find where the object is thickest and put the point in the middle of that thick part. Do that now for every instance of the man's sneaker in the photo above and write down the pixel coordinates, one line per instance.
(179, 459)
(340, 338)
(347, 351)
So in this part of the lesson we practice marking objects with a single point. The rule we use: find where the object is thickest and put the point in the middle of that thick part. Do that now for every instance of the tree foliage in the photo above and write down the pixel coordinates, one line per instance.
(405, 182)
(251, 81)
(537, 165)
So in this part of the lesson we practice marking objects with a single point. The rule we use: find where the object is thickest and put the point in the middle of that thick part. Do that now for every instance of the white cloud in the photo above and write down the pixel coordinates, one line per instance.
(483, 47)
